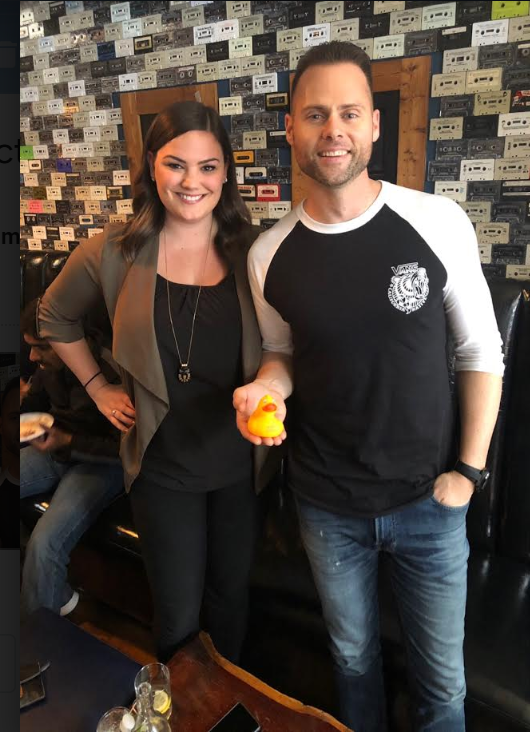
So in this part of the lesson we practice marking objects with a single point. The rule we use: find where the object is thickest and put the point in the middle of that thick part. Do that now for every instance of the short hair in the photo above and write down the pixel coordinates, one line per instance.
(334, 52)
(28, 320)
(11, 384)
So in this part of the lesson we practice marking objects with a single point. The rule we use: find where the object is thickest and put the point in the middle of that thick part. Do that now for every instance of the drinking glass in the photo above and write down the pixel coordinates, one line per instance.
(158, 676)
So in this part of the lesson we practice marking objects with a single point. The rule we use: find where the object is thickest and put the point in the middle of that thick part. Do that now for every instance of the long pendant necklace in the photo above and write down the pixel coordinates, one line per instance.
(184, 373)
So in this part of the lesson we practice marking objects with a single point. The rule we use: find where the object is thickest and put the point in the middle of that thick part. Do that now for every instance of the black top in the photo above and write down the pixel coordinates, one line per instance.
(198, 447)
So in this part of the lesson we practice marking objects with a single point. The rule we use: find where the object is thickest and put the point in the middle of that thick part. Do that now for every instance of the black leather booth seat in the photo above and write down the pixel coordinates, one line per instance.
(287, 641)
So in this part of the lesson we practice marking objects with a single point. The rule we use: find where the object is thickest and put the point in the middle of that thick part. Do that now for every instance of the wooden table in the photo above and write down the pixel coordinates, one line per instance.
(205, 686)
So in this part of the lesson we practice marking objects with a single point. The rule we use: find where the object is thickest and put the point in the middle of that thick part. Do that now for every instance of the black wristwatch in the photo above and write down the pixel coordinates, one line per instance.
(478, 477)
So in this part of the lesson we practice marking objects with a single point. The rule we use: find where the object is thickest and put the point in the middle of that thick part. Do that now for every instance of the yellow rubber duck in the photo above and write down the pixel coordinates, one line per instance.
(263, 421)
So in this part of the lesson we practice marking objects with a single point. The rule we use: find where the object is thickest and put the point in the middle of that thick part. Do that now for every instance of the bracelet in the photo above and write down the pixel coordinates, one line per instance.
(91, 379)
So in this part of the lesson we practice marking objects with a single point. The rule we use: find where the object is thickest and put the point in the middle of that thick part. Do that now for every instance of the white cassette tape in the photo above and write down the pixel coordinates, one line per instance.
(40, 152)
(151, 24)
(66, 233)
(121, 178)
(82, 193)
(484, 252)
(92, 207)
(39, 232)
(314, 35)
(493, 233)
(61, 246)
(195, 55)
(514, 123)
(229, 68)
(455, 190)
(55, 106)
(461, 59)
(31, 179)
(237, 8)
(227, 29)
(192, 16)
(438, 16)
(489, 32)
(92, 134)
(265, 83)
(240, 174)
(132, 28)
(517, 271)
(446, 85)
(519, 29)
(446, 128)
(35, 244)
(113, 32)
(251, 25)
(294, 57)
(405, 21)
(128, 82)
(367, 44)
(327, 12)
(288, 39)
(389, 46)
(50, 76)
(256, 174)
(239, 47)
(251, 65)
(59, 179)
(477, 169)
(492, 102)
(258, 209)
(278, 209)
(230, 105)
(387, 7)
(344, 30)
(124, 207)
(208, 72)
(479, 212)
(119, 12)
(98, 193)
(76, 88)
(124, 48)
(54, 193)
(517, 147)
(483, 80)
(29, 94)
(204, 34)
(255, 140)
(512, 169)
(146, 79)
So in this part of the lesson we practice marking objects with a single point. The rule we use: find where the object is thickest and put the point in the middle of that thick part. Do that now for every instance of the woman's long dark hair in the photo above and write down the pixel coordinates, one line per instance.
(231, 214)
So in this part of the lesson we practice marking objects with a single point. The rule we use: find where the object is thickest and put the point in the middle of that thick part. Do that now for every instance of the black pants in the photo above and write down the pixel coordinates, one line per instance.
(198, 550)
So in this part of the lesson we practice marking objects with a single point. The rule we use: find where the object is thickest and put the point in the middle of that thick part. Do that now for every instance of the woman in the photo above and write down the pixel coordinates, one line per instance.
(184, 335)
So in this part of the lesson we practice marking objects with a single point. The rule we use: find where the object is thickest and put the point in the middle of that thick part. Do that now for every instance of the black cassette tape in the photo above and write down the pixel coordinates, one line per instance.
(213, 12)
(51, 27)
(451, 149)
(253, 103)
(76, 134)
(163, 41)
(186, 74)
(522, 55)
(508, 254)
(241, 86)
(236, 140)
(421, 42)
(100, 219)
(140, 8)
(166, 77)
(90, 179)
(267, 223)
(45, 178)
(520, 100)
(267, 158)
(46, 137)
(487, 147)
(242, 122)
(521, 236)
(110, 84)
(276, 138)
(108, 207)
(217, 51)
(99, 69)
(135, 63)
(60, 90)
(494, 271)
(515, 189)
(117, 66)
(171, 17)
(93, 87)
(23, 79)
(266, 121)
(102, 16)
(106, 51)
(117, 147)
(275, 20)
(26, 63)
(51, 163)
(472, 12)
(184, 37)
(515, 77)
(484, 126)
(495, 56)
(103, 101)
(77, 207)
(452, 38)
(83, 71)
(50, 122)
(357, 9)
(441, 170)
(31, 220)
(276, 174)
(71, 56)
(263, 43)
(488, 190)
(378, 25)
(25, 109)
(277, 62)
(62, 207)
(300, 15)
(36, 124)
(52, 232)
(511, 212)
(277, 100)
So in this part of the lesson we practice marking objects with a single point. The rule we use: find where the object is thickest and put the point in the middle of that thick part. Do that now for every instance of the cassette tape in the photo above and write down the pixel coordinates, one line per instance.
(279, 209)
(520, 101)
(241, 86)
(344, 30)
(462, 59)
(508, 9)
(438, 16)
(247, 191)
(251, 25)
(230, 105)
(444, 85)
(483, 80)
(484, 126)
(208, 71)
(266, 121)
(143, 44)
(358, 8)
(492, 147)
(482, 169)
(236, 140)
(518, 189)
(512, 169)
(277, 62)
(500, 56)
(280, 175)
(389, 46)
(492, 233)
(492, 102)
(218, 51)
(439, 170)
(203, 34)
(239, 47)
(522, 55)
(453, 38)
(253, 103)
(268, 158)
(327, 12)
(473, 11)
(229, 68)
(244, 157)
(251, 65)
(515, 78)
(289, 39)
(489, 32)
(264, 43)
(258, 210)
(452, 149)
(267, 192)
(514, 123)
(240, 175)
(511, 254)
(255, 174)
(277, 100)
(458, 106)
(484, 252)
(517, 147)
(374, 26)
(276, 138)
(255, 140)
(314, 35)
(511, 212)
(518, 272)
(446, 128)
(301, 15)
(242, 122)
(405, 21)
(237, 9)
(519, 30)
(479, 212)
(265, 83)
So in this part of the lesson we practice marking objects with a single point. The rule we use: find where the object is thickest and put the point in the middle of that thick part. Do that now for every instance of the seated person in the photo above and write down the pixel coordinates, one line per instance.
(77, 458)
(10, 466)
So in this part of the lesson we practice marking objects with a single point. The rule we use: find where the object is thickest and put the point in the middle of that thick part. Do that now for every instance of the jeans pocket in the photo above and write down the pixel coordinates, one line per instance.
(451, 509)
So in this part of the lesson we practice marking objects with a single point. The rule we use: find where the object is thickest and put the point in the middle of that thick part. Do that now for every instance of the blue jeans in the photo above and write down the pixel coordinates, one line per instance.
(429, 550)
(82, 491)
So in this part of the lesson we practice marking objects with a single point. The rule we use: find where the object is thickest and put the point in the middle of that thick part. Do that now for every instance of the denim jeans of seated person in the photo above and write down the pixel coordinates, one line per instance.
(429, 550)
(82, 491)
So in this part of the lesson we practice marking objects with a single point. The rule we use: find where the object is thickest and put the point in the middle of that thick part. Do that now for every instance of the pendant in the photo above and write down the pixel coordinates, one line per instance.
(184, 374)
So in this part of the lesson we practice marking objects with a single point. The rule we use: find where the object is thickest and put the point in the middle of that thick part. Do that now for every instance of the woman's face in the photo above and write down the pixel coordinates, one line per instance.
(189, 172)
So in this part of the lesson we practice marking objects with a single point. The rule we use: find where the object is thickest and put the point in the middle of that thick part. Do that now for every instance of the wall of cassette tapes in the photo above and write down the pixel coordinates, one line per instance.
(77, 57)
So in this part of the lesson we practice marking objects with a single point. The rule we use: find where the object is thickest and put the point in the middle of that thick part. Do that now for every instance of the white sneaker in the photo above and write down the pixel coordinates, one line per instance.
(70, 605)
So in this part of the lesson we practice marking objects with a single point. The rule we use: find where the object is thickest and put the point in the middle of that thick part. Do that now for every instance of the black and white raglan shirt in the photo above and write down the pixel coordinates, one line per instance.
(365, 307)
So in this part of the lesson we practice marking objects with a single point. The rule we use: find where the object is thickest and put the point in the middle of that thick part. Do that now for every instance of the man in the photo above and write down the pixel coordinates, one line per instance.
(77, 458)
(356, 290)
(10, 466)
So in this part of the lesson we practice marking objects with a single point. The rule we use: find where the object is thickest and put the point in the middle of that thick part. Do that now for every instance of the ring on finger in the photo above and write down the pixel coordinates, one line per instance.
(114, 412)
